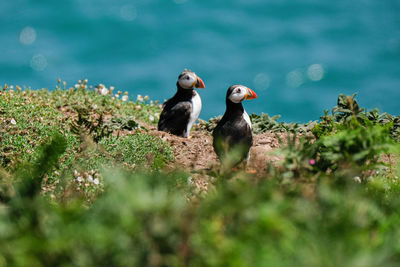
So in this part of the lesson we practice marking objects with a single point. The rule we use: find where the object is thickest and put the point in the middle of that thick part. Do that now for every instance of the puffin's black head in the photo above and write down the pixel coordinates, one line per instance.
(188, 80)
(237, 93)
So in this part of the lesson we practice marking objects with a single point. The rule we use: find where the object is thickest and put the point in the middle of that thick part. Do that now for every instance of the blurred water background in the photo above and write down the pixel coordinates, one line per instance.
(298, 55)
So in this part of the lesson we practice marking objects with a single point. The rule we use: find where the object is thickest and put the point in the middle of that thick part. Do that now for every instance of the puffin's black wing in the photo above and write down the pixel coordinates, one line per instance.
(233, 138)
(175, 117)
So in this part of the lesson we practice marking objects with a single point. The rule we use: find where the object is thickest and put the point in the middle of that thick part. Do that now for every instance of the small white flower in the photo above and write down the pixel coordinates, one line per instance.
(156, 115)
(90, 178)
(124, 98)
(146, 98)
(138, 107)
(357, 179)
(94, 106)
(77, 86)
(13, 122)
(116, 95)
(139, 98)
(151, 117)
(79, 179)
(96, 181)
(190, 180)
(75, 173)
(103, 91)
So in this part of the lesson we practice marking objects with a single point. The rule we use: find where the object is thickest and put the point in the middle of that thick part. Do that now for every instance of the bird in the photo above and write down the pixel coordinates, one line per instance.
(232, 137)
(182, 110)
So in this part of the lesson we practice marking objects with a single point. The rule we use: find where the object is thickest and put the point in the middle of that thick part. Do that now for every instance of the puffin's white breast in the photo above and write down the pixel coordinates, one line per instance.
(247, 118)
(196, 108)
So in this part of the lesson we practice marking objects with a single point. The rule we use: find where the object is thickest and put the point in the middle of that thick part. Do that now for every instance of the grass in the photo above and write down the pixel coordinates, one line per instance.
(89, 122)
(83, 184)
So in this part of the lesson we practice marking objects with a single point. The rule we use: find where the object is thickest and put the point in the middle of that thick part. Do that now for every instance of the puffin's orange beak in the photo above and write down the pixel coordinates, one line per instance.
(250, 94)
(200, 83)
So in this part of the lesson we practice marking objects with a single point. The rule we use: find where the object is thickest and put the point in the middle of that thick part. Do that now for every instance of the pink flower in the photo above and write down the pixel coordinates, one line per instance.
(312, 161)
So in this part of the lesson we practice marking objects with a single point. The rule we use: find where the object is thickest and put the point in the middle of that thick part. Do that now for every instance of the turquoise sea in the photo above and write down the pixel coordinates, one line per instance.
(298, 55)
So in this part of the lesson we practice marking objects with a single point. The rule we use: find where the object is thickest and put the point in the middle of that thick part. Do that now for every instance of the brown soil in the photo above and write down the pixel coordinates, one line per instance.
(198, 153)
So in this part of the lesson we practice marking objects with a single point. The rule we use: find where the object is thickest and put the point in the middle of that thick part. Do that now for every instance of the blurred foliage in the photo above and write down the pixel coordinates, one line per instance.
(144, 219)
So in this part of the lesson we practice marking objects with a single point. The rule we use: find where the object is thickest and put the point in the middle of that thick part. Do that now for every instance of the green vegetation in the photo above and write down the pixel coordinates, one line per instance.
(350, 138)
(333, 200)
(91, 124)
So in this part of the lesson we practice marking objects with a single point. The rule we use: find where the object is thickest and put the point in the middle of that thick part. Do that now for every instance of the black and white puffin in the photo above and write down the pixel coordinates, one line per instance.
(232, 135)
(183, 109)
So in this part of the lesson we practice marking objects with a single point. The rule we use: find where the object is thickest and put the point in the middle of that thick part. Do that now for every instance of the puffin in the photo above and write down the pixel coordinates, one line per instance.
(232, 137)
(182, 110)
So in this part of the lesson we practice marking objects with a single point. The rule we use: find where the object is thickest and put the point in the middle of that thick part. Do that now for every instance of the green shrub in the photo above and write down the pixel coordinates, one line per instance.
(348, 114)
(348, 139)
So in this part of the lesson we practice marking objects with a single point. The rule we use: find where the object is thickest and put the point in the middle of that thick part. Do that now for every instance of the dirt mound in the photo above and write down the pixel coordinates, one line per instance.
(198, 153)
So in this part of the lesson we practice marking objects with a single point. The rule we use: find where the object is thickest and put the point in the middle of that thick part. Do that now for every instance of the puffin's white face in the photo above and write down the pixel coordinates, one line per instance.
(240, 93)
(189, 80)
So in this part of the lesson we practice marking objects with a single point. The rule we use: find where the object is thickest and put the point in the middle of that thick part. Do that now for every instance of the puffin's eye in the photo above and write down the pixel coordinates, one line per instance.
(238, 91)
(187, 77)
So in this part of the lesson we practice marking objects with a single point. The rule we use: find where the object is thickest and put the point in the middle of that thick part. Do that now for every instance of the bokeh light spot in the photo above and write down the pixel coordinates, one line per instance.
(38, 62)
(128, 12)
(261, 81)
(294, 78)
(315, 72)
(27, 36)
